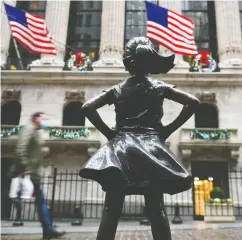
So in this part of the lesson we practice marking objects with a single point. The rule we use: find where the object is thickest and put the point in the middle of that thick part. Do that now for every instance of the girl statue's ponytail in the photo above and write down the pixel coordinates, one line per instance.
(141, 58)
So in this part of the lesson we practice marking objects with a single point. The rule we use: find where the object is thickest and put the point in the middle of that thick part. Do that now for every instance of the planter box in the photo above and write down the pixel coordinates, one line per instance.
(219, 212)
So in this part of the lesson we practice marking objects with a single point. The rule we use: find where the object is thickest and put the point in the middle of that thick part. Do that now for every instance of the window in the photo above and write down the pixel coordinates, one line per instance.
(84, 28)
(10, 113)
(79, 20)
(72, 115)
(27, 57)
(206, 116)
(90, 3)
(87, 39)
(135, 20)
(203, 15)
(88, 20)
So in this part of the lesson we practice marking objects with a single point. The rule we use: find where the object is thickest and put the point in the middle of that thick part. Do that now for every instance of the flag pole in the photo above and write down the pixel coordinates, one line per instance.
(15, 44)
(18, 54)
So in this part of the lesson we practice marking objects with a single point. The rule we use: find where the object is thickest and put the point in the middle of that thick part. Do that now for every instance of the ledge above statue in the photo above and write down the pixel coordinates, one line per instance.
(114, 77)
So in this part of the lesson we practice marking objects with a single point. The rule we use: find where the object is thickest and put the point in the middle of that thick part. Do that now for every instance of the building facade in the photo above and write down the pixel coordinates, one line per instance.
(101, 29)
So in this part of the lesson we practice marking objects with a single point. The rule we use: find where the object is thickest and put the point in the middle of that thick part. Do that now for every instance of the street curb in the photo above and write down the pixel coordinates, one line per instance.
(11, 231)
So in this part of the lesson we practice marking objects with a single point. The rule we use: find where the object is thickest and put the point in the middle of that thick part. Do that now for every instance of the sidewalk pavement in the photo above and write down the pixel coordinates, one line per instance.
(91, 226)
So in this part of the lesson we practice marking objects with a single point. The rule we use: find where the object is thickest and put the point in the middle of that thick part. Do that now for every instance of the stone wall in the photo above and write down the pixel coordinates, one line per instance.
(51, 99)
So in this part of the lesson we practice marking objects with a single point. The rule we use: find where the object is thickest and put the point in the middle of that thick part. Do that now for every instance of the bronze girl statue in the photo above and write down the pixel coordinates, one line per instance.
(136, 160)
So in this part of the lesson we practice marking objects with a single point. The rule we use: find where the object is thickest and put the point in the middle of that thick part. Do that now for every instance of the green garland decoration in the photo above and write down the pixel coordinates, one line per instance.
(64, 135)
(11, 132)
(208, 135)
(52, 132)
(195, 133)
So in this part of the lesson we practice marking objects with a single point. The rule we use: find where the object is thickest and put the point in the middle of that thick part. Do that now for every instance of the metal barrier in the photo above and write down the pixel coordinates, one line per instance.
(66, 193)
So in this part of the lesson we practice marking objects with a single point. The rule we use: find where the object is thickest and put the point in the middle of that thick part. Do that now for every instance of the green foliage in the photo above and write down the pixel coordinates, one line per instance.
(59, 133)
(208, 135)
(217, 192)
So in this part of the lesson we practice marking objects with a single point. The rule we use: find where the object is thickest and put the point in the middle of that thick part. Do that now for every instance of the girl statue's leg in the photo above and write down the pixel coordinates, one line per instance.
(156, 212)
(112, 211)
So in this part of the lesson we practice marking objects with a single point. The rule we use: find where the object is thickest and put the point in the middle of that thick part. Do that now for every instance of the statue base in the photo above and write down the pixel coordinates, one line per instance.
(18, 224)
(177, 220)
(77, 223)
(47, 65)
(108, 65)
(231, 66)
(145, 222)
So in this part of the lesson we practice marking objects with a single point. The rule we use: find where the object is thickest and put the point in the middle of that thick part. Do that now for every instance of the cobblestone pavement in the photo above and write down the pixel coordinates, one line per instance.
(206, 234)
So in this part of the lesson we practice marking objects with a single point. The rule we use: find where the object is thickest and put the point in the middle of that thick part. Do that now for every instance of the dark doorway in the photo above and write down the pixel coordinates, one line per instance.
(5, 186)
(206, 116)
(11, 112)
(72, 115)
(207, 175)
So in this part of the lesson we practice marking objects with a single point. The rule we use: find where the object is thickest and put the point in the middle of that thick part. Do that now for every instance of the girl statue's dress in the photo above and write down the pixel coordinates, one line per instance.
(136, 159)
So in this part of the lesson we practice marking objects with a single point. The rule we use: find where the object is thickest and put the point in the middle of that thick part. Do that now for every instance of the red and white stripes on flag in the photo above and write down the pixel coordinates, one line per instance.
(31, 31)
(172, 30)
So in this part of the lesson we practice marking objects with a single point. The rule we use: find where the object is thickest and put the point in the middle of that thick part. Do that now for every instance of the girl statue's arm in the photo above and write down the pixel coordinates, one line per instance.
(90, 110)
(190, 104)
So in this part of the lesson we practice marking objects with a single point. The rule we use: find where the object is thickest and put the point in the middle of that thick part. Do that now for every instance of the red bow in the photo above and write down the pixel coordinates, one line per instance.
(204, 57)
(80, 58)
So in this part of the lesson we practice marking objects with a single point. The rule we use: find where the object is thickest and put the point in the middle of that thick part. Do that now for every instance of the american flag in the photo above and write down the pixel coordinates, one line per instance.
(30, 30)
(170, 29)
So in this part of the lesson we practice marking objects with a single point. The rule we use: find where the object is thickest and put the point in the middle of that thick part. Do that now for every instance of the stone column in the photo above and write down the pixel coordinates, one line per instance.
(181, 65)
(57, 18)
(229, 35)
(5, 32)
(112, 36)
